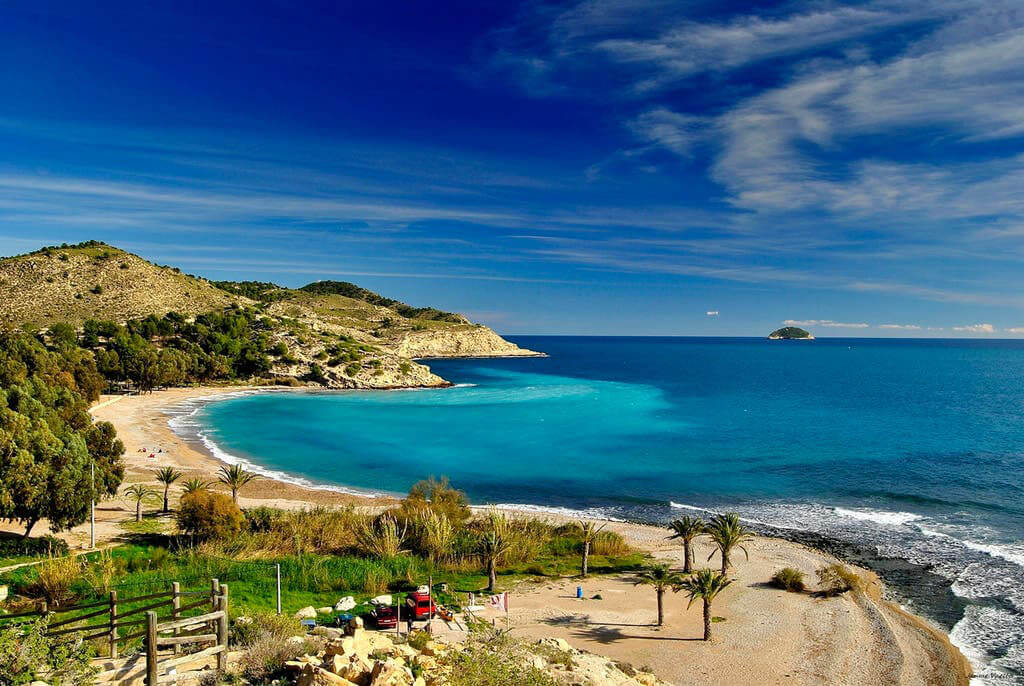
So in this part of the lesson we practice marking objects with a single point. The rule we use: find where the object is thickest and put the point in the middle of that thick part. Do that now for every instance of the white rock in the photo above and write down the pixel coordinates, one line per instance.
(345, 604)
(308, 612)
(381, 600)
(325, 610)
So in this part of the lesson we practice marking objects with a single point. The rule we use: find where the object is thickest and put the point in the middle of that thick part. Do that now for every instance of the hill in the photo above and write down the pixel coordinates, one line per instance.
(329, 332)
(790, 333)
(92, 280)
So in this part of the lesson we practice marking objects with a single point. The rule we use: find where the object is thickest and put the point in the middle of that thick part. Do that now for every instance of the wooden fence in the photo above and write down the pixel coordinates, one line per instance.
(172, 635)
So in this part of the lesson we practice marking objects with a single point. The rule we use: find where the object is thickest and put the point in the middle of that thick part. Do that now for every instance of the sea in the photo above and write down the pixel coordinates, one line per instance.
(903, 455)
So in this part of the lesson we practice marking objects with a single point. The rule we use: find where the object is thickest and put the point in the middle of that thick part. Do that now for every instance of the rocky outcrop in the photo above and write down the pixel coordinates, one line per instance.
(369, 658)
(460, 341)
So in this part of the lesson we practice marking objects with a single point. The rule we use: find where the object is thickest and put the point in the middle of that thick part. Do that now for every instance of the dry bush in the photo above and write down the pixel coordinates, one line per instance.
(610, 543)
(55, 577)
(789, 579)
(837, 579)
(264, 658)
(207, 515)
(380, 537)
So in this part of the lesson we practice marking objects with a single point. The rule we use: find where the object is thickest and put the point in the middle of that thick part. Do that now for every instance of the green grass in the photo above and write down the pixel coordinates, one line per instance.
(146, 526)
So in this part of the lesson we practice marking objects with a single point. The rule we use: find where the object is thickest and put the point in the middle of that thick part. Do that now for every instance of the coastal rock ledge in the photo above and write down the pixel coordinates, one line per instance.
(468, 341)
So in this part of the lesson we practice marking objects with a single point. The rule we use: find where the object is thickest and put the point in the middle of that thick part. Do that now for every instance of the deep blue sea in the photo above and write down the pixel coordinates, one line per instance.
(909, 451)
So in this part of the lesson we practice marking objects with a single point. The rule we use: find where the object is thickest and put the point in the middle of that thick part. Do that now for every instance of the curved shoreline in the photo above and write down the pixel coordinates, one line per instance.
(144, 421)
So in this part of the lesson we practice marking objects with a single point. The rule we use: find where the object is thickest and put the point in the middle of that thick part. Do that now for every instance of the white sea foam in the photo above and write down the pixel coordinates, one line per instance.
(588, 513)
(879, 516)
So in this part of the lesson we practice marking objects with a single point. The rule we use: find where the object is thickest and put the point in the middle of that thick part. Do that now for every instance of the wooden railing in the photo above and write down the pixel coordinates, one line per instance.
(175, 633)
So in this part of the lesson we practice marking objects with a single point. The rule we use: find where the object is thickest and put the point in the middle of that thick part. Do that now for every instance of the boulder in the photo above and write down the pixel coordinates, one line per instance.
(382, 600)
(345, 604)
(351, 667)
(327, 632)
(314, 676)
(325, 610)
(308, 612)
(390, 673)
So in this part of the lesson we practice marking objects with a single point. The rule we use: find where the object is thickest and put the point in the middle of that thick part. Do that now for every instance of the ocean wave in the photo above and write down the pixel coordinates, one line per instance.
(879, 516)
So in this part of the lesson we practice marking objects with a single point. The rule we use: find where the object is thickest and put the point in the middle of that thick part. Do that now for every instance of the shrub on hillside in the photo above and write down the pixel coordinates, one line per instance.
(204, 515)
(789, 579)
(495, 659)
(837, 579)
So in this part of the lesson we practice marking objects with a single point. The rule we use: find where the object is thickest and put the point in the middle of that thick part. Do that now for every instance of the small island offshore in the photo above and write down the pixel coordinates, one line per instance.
(100, 348)
(790, 333)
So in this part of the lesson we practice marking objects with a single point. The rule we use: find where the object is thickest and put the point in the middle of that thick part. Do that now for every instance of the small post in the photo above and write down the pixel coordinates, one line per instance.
(44, 608)
(278, 566)
(214, 592)
(224, 594)
(92, 506)
(113, 625)
(151, 667)
(430, 604)
(222, 633)
(398, 615)
(176, 610)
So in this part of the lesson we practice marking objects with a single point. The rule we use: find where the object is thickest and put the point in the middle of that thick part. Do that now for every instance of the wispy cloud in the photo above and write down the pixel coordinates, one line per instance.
(827, 323)
(975, 328)
(905, 327)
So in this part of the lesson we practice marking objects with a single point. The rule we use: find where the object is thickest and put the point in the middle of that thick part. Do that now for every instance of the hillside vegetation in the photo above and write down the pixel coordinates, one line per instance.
(331, 333)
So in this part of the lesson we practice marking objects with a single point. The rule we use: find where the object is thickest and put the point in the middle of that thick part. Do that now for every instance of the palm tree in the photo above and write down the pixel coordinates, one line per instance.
(705, 584)
(235, 477)
(588, 532)
(687, 529)
(139, 493)
(662, 578)
(167, 476)
(193, 485)
(727, 533)
(492, 544)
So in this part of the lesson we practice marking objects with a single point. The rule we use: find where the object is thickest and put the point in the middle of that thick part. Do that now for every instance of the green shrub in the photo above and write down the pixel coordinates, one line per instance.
(837, 579)
(43, 545)
(97, 289)
(353, 369)
(205, 515)
(28, 655)
(495, 659)
(260, 519)
(264, 659)
(246, 630)
(55, 578)
(789, 579)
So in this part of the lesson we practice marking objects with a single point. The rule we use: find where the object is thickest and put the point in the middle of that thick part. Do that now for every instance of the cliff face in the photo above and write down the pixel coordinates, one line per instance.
(462, 341)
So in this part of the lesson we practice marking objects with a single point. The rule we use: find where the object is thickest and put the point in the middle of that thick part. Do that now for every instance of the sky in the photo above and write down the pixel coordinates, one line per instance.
(598, 167)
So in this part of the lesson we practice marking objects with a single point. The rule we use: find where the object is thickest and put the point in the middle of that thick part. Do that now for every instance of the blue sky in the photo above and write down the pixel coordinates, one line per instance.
(585, 167)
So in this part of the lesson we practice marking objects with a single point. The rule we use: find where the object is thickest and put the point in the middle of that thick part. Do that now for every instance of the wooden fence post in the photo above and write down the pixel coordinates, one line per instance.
(113, 625)
(222, 632)
(176, 610)
(224, 592)
(214, 592)
(151, 649)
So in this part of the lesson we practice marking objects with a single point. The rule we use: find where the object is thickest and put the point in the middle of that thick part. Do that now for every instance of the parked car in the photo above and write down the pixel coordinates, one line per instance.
(384, 617)
(421, 605)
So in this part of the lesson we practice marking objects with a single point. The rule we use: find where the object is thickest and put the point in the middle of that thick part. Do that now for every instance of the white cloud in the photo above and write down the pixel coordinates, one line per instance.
(1015, 329)
(674, 131)
(908, 327)
(712, 313)
(828, 323)
(975, 328)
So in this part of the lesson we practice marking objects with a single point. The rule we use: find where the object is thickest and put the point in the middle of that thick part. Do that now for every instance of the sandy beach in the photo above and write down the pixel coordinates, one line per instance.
(767, 636)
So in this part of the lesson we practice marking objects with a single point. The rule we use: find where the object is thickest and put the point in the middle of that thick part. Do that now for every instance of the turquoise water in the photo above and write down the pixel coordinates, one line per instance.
(910, 450)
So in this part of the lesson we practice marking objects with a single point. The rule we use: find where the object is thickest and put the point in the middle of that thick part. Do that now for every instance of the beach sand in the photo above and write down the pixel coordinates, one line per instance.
(768, 636)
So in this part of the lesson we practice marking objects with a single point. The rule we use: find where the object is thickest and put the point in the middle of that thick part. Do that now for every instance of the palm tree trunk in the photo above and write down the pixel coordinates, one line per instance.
(586, 558)
(492, 575)
(687, 558)
(234, 495)
(725, 562)
(661, 611)
(138, 511)
(707, 619)
(166, 488)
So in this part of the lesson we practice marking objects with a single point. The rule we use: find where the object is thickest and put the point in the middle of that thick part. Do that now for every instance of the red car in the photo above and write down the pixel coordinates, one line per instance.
(384, 617)
(421, 605)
